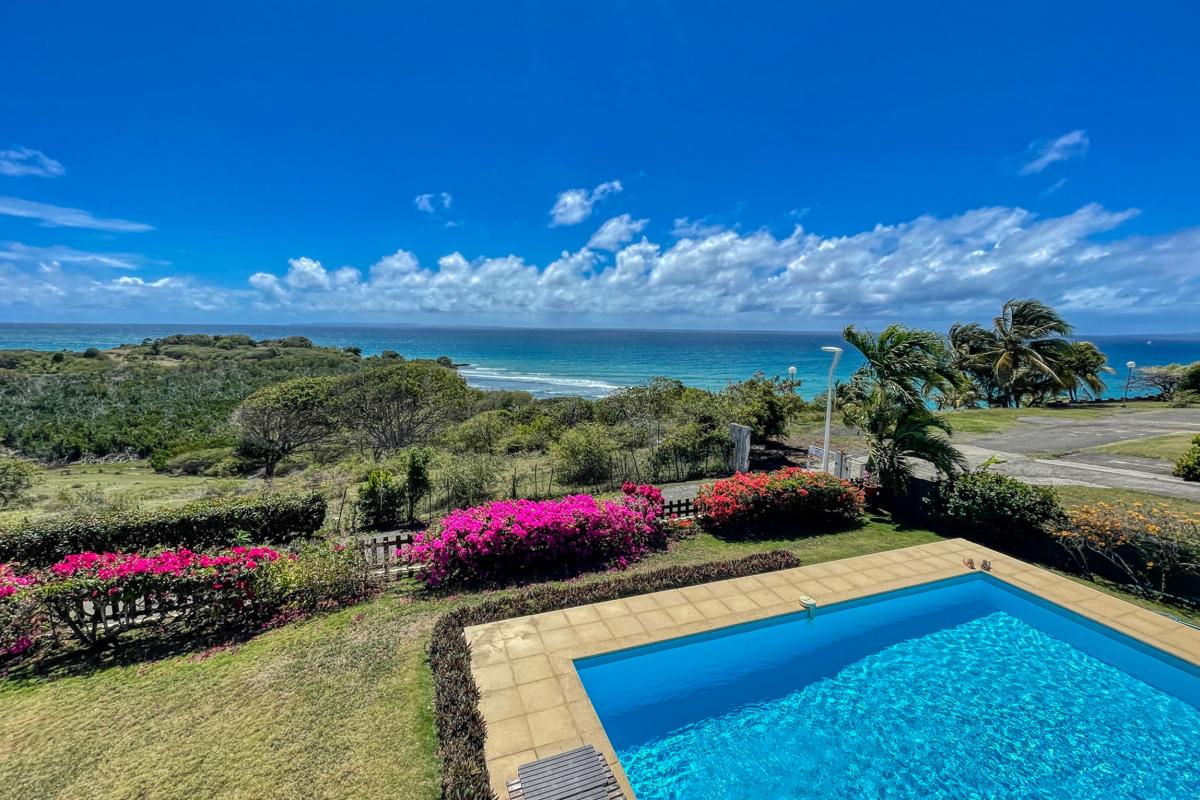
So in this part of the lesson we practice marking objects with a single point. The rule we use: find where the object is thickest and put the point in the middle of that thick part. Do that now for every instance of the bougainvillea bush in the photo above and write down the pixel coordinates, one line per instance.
(95, 597)
(765, 503)
(512, 540)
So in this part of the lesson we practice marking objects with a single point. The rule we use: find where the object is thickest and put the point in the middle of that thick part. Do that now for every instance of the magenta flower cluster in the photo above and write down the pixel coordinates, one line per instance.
(11, 582)
(116, 566)
(512, 540)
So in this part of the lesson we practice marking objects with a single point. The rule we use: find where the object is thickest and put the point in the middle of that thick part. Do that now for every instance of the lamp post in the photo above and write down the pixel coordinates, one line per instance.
(1130, 365)
(792, 374)
(837, 353)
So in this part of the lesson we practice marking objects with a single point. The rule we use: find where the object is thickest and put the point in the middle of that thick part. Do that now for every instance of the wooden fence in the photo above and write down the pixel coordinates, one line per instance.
(381, 551)
(679, 509)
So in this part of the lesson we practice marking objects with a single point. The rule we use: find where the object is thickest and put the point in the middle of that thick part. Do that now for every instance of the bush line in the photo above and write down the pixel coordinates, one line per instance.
(460, 725)
(203, 525)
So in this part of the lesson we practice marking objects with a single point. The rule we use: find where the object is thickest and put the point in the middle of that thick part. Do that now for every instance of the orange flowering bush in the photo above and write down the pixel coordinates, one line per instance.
(790, 495)
(1151, 546)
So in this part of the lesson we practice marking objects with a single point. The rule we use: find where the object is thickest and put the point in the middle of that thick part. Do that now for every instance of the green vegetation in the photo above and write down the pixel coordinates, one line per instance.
(1072, 496)
(1024, 358)
(155, 399)
(987, 421)
(992, 505)
(885, 399)
(1188, 464)
(1168, 447)
(17, 477)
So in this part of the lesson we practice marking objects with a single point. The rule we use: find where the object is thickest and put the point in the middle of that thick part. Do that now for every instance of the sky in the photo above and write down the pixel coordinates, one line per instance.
(779, 166)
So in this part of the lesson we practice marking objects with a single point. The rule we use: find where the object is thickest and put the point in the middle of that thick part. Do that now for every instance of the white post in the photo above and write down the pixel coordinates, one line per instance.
(837, 353)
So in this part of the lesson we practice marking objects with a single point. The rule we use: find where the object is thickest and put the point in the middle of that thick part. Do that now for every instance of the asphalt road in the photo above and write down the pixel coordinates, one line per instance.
(1046, 450)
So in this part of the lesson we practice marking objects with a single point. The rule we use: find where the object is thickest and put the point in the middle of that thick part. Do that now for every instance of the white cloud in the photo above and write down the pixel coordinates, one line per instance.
(616, 232)
(20, 254)
(927, 268)
(24, 161)
(59, 217)
(1041, 154)
(428, 202)
(685, 228)
(575, 205)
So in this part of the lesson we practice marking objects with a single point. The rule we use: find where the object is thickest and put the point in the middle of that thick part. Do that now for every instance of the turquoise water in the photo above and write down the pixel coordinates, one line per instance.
(969, 689)
(589, 362)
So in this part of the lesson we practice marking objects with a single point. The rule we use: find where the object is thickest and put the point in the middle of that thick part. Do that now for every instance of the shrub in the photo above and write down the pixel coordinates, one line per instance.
(460, 725)
(750, 502)
(197, 462)
(22, 620)
(1188, 465)
(1151, 548)
(381, 502)
(17, 477)
(583, 455)
(992, 504)
(207, 524)
(97, 595)
(316, 576)
(507, 540)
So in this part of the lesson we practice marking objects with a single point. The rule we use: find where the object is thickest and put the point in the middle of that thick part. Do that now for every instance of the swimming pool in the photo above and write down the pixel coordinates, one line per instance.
(961, 688)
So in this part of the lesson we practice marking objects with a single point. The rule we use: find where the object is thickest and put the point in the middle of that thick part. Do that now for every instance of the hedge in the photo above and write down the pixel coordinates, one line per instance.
(202, 525)
(460, 725)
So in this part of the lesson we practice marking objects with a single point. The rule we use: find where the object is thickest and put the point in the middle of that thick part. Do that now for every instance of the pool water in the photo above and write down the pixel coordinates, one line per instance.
(966, 688)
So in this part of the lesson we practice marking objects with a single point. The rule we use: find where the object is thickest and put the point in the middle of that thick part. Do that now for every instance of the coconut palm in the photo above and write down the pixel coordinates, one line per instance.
(1082, 370)
(885, 399)
(1025, 345)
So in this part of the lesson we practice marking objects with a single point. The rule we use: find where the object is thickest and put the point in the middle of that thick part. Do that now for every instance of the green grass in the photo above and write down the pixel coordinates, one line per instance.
(1168, 447)
(131, 482)
(336, 706)
(1079, 495)
(986, 421)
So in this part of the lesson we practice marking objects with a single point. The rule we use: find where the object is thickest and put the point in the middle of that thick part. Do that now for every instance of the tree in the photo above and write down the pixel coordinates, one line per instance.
(1025, 345)
(282, 419)
(388, 408)
(1165, 380)
(886, 400)
(765, 404)
(583, 454)
(17, 477)
(1081, 368)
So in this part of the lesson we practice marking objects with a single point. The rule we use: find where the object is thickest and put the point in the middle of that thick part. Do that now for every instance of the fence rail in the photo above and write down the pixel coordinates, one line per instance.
(679, 509)
(841, 464)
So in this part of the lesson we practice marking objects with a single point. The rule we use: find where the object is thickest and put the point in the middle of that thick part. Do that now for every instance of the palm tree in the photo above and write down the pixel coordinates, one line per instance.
(886, 400)
(899, 434)
(1024, 346)
(1082, 370)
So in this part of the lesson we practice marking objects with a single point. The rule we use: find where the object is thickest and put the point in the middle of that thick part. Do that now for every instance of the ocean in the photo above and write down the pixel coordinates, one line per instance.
(592, 363)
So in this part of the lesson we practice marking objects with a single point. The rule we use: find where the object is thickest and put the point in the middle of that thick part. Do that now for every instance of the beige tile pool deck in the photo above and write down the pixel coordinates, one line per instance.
(535, 706)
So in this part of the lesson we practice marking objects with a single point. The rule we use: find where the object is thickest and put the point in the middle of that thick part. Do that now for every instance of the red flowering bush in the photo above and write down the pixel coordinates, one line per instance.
(506, 540)
(761, 502)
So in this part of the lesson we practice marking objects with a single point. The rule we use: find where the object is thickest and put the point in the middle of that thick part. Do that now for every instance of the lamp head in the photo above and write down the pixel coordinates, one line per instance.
(831, 349)
(1130, 364)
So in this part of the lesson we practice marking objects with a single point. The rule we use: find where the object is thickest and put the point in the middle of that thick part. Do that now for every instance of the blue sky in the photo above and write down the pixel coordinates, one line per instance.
(787, 166)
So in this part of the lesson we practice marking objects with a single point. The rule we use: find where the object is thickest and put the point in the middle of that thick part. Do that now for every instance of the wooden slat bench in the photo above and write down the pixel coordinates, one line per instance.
(579, 774)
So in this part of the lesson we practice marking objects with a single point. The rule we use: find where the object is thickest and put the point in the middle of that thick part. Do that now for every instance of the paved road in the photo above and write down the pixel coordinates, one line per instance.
(1047, 450)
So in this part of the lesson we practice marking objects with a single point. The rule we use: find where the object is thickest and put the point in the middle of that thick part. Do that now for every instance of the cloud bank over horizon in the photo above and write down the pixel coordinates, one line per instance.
(926, 269)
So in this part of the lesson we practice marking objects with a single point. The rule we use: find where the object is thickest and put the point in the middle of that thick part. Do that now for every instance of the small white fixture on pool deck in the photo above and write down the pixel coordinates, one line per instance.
(808, 604)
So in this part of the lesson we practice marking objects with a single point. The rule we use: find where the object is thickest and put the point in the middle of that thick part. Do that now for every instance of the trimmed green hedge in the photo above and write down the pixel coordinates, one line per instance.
(995, 506)
(460, 725)
(203, 525)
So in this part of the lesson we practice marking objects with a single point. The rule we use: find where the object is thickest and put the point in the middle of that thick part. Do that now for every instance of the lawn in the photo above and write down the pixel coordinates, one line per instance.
(1168, 447)
(986, 421)
(130, 482)
(336, 706)
(1078, 495)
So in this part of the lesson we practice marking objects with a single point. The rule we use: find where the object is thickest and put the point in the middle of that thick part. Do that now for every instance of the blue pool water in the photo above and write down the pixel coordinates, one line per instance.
(965, 688)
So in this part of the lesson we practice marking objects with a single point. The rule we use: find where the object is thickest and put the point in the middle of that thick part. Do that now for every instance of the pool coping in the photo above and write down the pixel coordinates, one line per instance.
(534, 704)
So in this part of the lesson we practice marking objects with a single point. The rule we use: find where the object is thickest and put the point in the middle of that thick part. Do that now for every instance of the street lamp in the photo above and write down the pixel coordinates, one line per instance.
(837, 353)
(1130, 365)
(792, 374)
